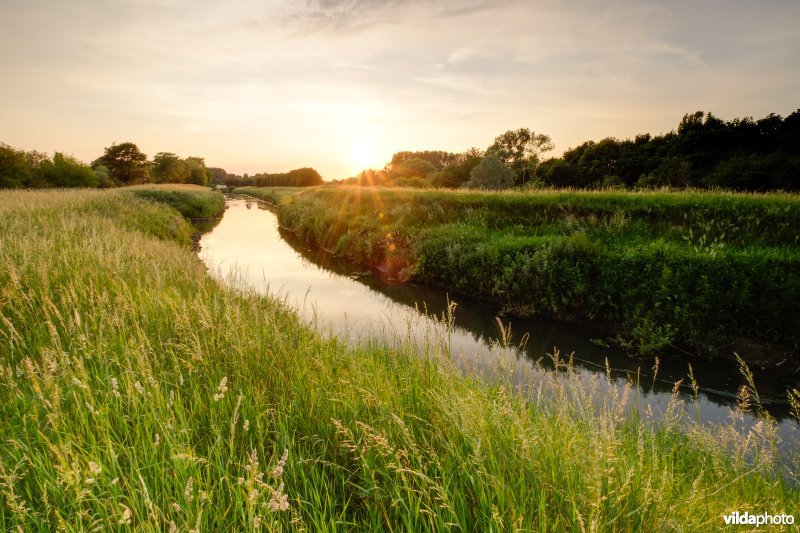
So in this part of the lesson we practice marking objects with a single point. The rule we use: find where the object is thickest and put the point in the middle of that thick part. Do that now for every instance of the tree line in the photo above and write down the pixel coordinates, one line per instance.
(124, 164)
(704, 152)
(299, 177)
(121, 164)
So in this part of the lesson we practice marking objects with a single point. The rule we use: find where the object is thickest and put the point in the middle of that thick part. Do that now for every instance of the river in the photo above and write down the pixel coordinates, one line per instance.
(357, 304)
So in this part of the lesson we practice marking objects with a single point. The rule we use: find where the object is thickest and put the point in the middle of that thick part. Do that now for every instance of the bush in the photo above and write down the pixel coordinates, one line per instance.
(491, 173)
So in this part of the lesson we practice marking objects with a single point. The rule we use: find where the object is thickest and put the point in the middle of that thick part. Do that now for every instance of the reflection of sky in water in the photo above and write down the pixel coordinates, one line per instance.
(248, 245)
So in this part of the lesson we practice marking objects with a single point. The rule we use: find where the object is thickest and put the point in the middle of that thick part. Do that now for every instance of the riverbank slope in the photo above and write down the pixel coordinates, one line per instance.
(135, 390)
(708, 272)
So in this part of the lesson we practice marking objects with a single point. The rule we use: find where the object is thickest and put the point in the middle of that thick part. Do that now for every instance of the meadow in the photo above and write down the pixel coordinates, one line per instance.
(137, 392)
(710, 273)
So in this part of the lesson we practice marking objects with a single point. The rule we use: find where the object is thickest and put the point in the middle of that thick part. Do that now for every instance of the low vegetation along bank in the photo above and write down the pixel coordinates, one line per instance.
(136, 392)
(713, 273)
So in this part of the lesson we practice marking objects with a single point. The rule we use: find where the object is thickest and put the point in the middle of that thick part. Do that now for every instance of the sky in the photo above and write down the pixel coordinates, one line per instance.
(340, 85)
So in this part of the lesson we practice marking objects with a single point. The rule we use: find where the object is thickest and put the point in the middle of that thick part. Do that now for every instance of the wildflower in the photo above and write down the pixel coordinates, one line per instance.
(138, 387)
(253, 495)
(125, 519)
(172, 527)
(176, 507)
(221, 389)
(256, 521)
(246, 425)
(157, 440)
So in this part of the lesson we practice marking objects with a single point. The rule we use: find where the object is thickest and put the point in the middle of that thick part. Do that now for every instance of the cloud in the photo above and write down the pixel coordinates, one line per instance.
(356, 15)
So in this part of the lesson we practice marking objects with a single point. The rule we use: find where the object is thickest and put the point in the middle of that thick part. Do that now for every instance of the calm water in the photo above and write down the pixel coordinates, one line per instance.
(354, 303)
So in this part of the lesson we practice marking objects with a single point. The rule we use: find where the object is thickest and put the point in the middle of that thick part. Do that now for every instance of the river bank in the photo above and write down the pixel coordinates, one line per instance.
(138, 391)
(706, 273)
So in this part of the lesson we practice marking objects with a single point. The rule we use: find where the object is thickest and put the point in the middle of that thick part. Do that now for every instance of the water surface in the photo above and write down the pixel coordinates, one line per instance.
(356, 303)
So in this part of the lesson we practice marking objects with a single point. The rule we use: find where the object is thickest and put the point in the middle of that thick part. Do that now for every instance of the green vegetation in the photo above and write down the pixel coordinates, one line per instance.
(704, 152)
(714, 273)
(124, 165)
(271, 195)
(120, 164)
(299, 177)
(194, 203)
(137, 392)
(169, 168)
(491, 173)
(20, 169)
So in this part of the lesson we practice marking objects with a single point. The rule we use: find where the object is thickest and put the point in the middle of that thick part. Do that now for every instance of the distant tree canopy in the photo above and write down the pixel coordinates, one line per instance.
(20, 169)
(491, 173)
(299, 177)
(705, 151)
(120, 164)
(125, 163)
(418, 164)
(457, 171)
(521, 149)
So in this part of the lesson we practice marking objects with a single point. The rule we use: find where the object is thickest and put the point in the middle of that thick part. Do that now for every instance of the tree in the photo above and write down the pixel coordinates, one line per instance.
(304, 177)
(69, 172)
(169, 168)
(521, 149)
(198, 174)
(126, 164)
(104, 180)
(437, 158)
(217, 175)
(491, 173)
(15, 169)
(456, 172)
(558, 173)
(412, 168)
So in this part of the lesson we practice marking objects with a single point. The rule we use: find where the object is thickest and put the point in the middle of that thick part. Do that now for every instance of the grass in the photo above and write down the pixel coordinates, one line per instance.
(136, 392)
(709, 272)
(191, 201)
(269, 194)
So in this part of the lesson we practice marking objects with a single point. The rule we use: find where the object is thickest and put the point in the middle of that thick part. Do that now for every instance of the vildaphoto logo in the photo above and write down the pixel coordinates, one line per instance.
(746, 519)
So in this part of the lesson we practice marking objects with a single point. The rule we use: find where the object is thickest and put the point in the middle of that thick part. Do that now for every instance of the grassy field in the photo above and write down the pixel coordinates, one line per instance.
(710, 272)
(136, 392)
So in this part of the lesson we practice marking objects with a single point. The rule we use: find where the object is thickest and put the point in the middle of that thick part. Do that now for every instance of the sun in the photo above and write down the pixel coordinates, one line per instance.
(362, 154)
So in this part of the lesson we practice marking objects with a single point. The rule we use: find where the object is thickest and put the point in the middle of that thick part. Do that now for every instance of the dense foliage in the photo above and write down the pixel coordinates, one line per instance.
(491, 173)
(138, 393)
(704, 152)
(120, 165)
(20, 169)
(193, 204)
(712, 273)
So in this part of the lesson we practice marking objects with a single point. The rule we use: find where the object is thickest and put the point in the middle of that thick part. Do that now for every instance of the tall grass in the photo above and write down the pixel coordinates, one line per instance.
(192, 201)
(135, 392)
(709, 272)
